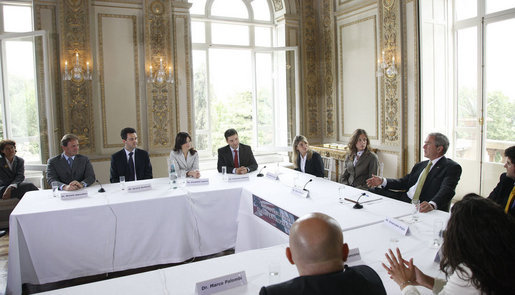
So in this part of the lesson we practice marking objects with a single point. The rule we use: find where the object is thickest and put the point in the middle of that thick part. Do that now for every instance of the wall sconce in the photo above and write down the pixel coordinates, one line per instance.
(160, 76)
(388, 69)
(77, 73)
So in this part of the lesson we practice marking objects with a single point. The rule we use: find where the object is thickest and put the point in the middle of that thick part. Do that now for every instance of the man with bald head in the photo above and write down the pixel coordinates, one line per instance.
(318, 251)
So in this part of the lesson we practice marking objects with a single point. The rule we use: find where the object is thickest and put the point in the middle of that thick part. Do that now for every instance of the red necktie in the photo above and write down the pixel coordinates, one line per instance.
(236, 162)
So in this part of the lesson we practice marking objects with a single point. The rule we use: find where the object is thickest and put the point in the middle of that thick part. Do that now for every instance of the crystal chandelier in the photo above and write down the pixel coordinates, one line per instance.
(389, 70)
(77, 73)
(160, 76)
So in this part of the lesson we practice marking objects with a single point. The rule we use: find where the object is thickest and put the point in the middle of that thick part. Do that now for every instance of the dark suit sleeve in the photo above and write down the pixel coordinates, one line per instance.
(495, 195)
(20, 172)
(89, 173)
(221, 161)
(262, 291)
(114, 176)
(372, 167)
(318, 165)
(148, 167)
(404, 183)
(346, 174)
(51, 172)
(447, 188)
(252, 164)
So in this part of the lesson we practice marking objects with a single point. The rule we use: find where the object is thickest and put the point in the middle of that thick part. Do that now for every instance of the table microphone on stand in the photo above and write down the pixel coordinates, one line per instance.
(101, 189)
(259, 173)
(358, 205)
(304, 188)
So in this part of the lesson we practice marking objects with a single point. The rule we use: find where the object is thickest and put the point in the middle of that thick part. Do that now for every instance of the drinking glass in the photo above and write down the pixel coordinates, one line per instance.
(122, 182)
(55, 188)
(182, 178)
(437, 233)
(341, 194)
(224, 173)
(416, 209)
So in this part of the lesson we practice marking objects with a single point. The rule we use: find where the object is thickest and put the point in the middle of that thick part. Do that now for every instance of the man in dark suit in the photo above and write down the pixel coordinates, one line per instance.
(238, 158)
(71, 170)
(432, 182)
(504, 193)
(318, 251)
(131, 162)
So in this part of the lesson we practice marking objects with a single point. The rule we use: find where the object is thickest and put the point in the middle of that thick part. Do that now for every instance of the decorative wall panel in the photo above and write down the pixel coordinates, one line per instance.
(328, 62)
(77, 104)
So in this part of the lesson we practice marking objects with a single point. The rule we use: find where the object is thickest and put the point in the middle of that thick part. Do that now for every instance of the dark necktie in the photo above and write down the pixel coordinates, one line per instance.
(70, 162)
(236, 161)
(131, 167)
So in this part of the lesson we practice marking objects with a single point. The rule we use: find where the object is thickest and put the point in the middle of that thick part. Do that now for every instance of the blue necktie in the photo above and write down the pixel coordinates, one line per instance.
(70, 162)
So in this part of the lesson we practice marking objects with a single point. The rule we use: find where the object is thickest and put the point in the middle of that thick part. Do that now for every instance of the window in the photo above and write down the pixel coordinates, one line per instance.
(239, 77)
(19, 119)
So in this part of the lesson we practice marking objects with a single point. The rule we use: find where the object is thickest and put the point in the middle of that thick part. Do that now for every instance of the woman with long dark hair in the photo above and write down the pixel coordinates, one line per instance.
(184, 156)
(361, 162)
(478, 253)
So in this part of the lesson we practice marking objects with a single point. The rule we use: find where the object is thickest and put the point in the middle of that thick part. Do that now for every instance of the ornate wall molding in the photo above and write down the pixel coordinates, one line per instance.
(390, 39)
(278, 4)
(160, 107)
(77, 102)
(101, 63)
(328, 60)
(310, 70)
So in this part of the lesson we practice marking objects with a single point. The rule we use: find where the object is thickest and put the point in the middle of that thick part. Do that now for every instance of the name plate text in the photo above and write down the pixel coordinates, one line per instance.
(221, 283)
(397, 225)
(272, 176)
(139, 187)
(71, 195)
(299, 192)
(237, 177)
(197, 181)
(354, 255)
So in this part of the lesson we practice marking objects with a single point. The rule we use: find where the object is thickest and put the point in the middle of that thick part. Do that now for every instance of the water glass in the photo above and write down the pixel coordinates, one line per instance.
(416, 210)
(341, 194)
(437, 233)
(122, 182)
(55, 188)
(182, 178)
(224, 173)
(274, 272)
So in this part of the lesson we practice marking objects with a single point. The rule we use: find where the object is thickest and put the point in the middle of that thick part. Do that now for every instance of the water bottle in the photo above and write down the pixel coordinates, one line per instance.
(172, 175)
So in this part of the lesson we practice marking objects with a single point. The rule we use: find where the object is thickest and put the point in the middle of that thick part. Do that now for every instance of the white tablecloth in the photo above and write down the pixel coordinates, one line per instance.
(52, 240)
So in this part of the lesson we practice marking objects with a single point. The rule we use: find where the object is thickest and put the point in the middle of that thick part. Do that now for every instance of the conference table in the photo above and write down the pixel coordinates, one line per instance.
(53, 239)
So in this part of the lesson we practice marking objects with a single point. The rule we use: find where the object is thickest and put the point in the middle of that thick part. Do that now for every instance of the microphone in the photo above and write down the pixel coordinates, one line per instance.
(358, 205)
(304, 188)
(259, 173)
(101, 189)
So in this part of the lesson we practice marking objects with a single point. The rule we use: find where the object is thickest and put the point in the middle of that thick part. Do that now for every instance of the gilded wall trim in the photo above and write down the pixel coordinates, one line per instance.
(101, 73)
(160, 107)
(77, 101)
(391, 108)
(311, 120)
(278, 5)
(327, 47)
(54, 62)
(341, 46)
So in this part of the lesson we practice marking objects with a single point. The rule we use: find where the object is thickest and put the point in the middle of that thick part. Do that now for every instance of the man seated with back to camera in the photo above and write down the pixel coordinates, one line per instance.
(318, 251)
(432, 182)
(237, 157)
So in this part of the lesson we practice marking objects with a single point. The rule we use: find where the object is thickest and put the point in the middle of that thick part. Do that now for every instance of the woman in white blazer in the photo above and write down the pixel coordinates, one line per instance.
(184, 156)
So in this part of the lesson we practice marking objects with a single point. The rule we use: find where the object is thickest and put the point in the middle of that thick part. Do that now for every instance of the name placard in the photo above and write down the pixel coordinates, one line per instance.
(397, 225)
(354, 255)
(272, 214)
(221, 283)
(299, 192)
(272, 176)
(134, 188)
(71, 195)
(237, 177)
(197, 181)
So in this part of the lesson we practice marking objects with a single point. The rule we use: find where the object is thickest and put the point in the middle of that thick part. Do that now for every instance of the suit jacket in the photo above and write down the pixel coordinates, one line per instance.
(120, 165)
(357, 176)
(8, 177)
(502, 191)
(439, 185)
(59, 170)
(314, 166)
(245, 155)
(184, 164)
(355, 280)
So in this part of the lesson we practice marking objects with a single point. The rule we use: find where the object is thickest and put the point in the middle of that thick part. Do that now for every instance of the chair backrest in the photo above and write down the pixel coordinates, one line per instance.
(328, 167)
(36, 174)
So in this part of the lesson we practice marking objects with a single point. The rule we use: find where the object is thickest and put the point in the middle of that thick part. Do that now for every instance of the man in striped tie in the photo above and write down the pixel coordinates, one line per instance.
(433, 182)
(504, 193)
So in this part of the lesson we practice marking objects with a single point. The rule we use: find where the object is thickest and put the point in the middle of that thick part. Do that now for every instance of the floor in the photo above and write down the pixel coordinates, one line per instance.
(30, 289)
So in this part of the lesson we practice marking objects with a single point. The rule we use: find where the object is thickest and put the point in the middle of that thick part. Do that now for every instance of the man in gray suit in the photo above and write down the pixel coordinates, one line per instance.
(71, 170)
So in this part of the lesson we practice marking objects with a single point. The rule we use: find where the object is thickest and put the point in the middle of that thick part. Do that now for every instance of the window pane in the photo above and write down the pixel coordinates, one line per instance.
(17, 18)
(200, 99)
(265, 102)
(263, 36)
(500, 89)
(198, 32)
(22, 122)
(198, 7)
(230, 34)
(467, 135)
(465, 9)
(231, 95)
(261, 10)
(498, 5)
(229, 8)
